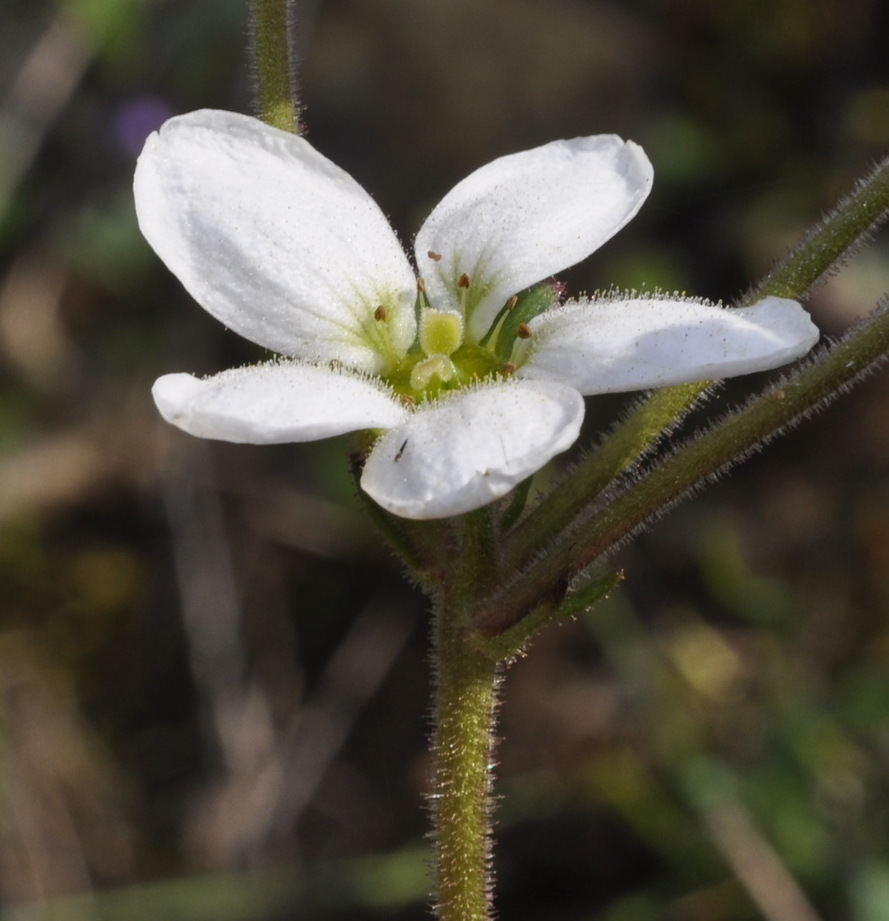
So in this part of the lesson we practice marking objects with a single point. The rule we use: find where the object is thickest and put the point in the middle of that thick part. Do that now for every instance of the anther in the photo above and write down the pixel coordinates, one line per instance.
(380, 313)
(524, 331)
(435, 257)
(422, 300)
(507, 368)
(510, 304)
(463, 281)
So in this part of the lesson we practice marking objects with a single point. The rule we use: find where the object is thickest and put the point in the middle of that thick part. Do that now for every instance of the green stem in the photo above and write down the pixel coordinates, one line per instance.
(651, 420)
(835, 238)
(506, 644)
(823, 377)
(464, 714)
(478, 550)
(273, 62)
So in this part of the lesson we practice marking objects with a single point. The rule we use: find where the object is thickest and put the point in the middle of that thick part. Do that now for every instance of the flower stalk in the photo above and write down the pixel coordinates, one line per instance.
(829, 243)
(632, 504)
(833, 240)
(273, 63)
(466, 683)
(461, 402)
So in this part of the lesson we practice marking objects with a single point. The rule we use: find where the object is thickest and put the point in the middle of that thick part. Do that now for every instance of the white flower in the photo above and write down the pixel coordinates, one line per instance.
(476, 376)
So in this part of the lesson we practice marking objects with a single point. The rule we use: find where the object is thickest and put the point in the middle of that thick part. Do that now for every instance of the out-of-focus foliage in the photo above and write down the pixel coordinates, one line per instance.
(212, 682)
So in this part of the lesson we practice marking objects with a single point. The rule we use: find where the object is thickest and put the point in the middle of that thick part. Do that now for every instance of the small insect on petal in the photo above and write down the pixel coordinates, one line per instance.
(435, 257)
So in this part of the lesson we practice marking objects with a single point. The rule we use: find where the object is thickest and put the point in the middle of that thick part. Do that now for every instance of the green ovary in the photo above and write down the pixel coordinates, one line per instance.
(421, 376)
(441, 331)
(441, 361)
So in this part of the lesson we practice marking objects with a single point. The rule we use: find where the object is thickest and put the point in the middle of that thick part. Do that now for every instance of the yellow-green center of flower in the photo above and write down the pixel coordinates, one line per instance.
(441, 331)
(441, 334)
(442, 360)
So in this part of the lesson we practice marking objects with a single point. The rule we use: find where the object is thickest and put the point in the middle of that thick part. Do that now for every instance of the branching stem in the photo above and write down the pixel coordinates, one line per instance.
(824, 376)
(821, 251)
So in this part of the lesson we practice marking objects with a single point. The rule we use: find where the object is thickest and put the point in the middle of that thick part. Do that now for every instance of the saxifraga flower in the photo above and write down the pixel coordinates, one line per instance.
(470, 368)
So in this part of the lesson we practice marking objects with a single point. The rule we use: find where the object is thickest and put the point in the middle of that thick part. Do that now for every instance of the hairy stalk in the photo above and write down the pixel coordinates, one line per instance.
(274, 62)
(462, 742)
(820, 379)
(509, 644)
(650, 421)
(821, 251)
(832, 241)
(425, 548)
(478, 551)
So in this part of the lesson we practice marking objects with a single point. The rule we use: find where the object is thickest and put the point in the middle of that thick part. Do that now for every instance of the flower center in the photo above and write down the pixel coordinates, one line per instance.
(441, 331)
(441, 359)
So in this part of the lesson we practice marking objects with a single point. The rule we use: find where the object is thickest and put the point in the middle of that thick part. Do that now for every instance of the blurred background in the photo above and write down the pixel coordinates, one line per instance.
(213, 679)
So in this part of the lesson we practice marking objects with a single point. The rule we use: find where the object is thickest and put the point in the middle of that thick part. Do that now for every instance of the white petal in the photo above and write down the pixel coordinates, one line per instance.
(457, 454)
(610, 346)
(273, 239)
(524, 217)
(275, 403)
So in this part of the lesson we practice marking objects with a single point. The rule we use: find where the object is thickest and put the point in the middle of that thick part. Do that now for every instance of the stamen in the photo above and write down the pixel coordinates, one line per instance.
(501, 313)
(422, 300)
(508, 368)
(435, 257)
(380, 313)
(516, 320)
(463, 281)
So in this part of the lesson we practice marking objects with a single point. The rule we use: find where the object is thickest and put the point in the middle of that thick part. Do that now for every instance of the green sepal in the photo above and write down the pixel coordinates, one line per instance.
(511, 641)
(530, 304)
(582, 599)
(517, 505)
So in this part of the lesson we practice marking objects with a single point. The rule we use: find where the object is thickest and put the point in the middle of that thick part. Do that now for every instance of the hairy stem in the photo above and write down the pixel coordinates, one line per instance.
(464, 714)
(827, 245)
(650, 421)
(813, 385)
(273, 61)
(822, 250)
